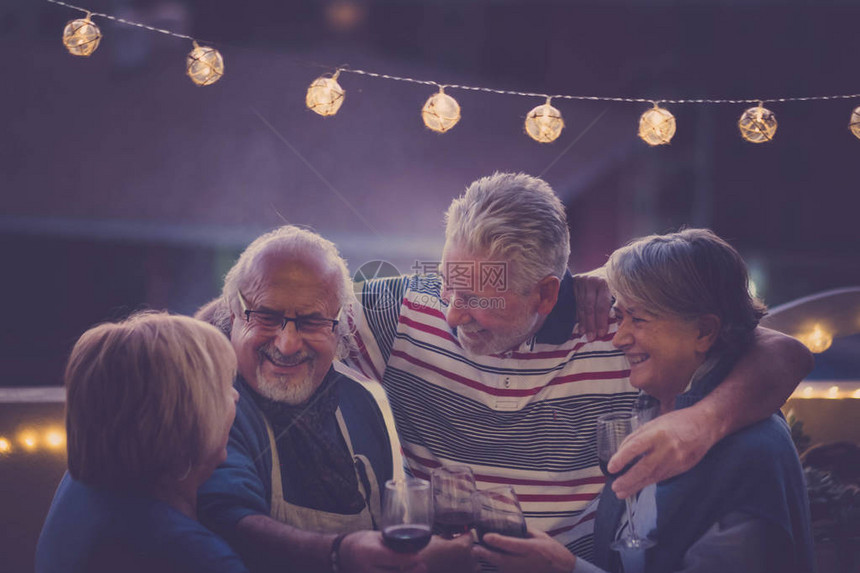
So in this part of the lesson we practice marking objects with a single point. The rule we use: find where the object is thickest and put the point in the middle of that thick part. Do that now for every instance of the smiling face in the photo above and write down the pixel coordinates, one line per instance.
(663, 351)
(488, 320)
(283, 364)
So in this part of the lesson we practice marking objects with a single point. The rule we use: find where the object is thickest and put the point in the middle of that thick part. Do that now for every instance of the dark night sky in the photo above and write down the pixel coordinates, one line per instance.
(122, 185)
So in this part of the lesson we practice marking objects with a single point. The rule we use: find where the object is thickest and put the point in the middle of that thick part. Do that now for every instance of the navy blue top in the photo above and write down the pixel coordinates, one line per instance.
(755, 471)
(92, 529)
(242, 485)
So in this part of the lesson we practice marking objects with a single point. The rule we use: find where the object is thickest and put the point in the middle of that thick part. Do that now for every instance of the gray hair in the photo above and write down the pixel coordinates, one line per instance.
(286, 240)
(689, 274)
(515, 218)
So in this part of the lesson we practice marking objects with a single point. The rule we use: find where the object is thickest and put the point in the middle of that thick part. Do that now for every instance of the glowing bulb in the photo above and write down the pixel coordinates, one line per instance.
(544, 123)
(856, 394)
(757, 124)
(28, 440)
(5, 446)
(441, 112)
(204, 65)
(807, 392)
(818, 340)
(325, 95)
(833, 392)
(657, 126)
(55, 439)
(81, 37)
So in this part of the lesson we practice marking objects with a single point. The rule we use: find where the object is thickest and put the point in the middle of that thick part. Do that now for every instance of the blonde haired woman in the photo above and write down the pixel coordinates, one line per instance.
(149, 406)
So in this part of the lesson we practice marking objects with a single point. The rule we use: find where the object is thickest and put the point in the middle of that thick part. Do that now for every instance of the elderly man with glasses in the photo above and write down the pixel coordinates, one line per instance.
(309, 452)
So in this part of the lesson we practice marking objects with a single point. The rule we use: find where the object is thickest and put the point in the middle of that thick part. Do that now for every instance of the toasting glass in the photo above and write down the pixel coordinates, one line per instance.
(611, 430)
(453, 510)
(497, 510)
(407, 514)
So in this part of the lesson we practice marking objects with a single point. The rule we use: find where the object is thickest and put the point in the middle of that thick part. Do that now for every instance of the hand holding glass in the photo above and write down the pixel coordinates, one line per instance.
(497, 510)
(454, 514)
(612, 428)
(407, 514)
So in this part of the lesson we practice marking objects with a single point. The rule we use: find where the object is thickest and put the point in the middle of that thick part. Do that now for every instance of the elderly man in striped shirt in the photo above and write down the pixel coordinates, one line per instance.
(484, 365)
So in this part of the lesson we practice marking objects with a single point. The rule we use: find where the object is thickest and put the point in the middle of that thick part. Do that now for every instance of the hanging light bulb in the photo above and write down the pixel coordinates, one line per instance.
(657, 126)
(81, 37)
(817, 340)
(441, 112)
(855, 122)
(757, 124)
(544, 123)
(325, 95)
(204, 65)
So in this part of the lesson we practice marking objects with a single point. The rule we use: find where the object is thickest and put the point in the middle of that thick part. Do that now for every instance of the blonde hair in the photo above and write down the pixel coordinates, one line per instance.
(146, 399)
(515, 218)
(689, 274)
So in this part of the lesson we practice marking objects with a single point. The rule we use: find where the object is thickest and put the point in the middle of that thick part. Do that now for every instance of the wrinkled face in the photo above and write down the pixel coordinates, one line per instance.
(489, 318)
(663, 351)
(286, 365)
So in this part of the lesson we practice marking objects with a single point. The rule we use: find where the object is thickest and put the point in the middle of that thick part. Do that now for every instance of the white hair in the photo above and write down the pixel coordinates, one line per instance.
(293, 241)
(515, 218)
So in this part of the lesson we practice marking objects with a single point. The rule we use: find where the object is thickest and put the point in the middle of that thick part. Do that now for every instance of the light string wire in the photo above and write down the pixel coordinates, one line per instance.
(346, 69)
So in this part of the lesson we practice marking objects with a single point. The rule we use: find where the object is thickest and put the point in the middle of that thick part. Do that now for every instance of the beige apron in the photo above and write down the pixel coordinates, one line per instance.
(324, 521)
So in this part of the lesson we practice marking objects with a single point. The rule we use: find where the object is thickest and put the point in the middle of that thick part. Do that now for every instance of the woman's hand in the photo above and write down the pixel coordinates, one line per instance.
(539, 553)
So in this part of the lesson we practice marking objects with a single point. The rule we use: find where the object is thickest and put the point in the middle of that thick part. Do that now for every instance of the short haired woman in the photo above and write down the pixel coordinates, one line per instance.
(685, 314)
(149, 406)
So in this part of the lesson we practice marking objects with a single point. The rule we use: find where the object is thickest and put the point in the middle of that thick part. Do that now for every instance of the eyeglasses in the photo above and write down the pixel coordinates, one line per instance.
(272, 321)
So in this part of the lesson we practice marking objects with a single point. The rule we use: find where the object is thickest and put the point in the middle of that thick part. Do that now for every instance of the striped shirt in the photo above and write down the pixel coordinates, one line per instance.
(525, 417)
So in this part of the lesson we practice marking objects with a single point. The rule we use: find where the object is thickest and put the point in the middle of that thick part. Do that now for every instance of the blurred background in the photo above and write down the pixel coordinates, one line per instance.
(124, 186)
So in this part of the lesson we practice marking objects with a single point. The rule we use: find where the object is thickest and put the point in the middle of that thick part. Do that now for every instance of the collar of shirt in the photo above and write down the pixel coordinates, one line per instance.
(562, 318)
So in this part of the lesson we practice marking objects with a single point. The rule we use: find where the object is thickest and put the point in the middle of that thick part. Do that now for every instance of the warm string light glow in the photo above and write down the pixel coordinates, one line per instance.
(817, 340)
(325, 96)
(205, 66)
(828, 390)
(441, 112)
(34, 439)
(757, 124)
(657, 126)
(544, 123)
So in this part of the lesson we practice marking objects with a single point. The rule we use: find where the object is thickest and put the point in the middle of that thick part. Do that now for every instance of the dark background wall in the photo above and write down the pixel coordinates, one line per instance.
(124, 186)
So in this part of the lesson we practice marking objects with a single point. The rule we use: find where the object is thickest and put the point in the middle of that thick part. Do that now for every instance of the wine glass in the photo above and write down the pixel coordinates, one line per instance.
(497, 510)
(407, 514)
(612, 428)
(453, 486)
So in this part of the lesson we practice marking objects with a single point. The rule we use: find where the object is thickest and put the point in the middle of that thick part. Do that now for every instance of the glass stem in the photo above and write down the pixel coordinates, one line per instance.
(629, 502)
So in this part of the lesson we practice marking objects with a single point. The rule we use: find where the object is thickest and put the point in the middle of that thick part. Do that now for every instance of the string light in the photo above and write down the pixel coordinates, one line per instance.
(5, 446)
(657, 126)
(81, 37)
(855, 122)
(441, 112)
(204, 65)
(817, 340)
(325, 96)
(757, 124)
(27, 438)
(544, 123)
(55, 439)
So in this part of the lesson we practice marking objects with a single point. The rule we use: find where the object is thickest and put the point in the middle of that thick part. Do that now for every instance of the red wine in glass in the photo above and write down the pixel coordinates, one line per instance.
(407, 514)
(453, 486)
(450, 524)
(406, 538)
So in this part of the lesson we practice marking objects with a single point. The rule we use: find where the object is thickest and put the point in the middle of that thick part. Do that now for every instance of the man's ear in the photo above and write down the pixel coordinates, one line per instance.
(709, 329)
(548, 293)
